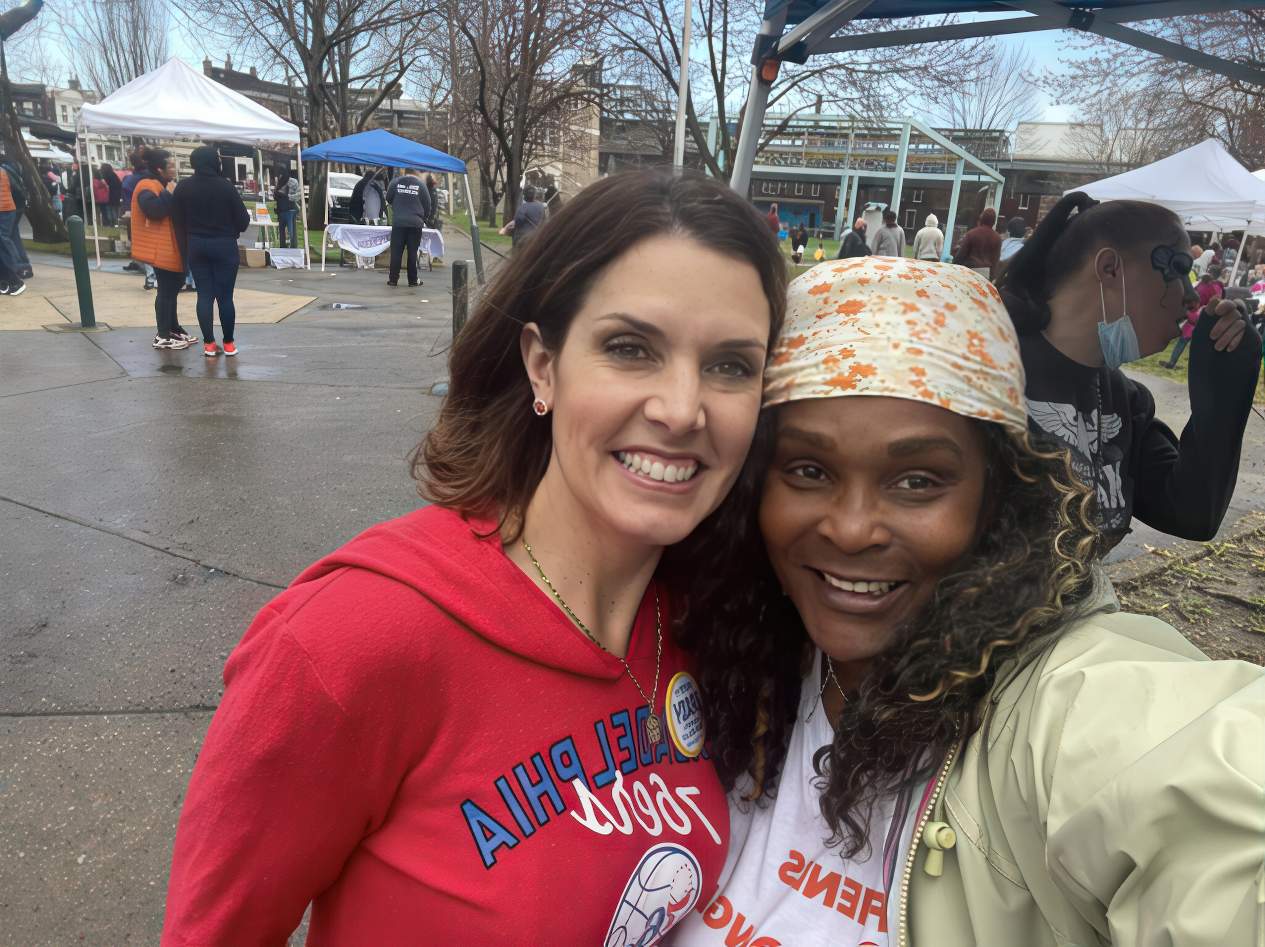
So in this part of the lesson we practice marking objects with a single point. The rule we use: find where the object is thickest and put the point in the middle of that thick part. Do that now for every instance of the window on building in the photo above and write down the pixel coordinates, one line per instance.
(911, 219)
(65, 116)
(916, 196)
(1024, 201)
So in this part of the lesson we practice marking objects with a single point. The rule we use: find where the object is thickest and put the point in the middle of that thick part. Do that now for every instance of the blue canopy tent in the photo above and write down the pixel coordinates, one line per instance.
(813, 23)
(380, 148)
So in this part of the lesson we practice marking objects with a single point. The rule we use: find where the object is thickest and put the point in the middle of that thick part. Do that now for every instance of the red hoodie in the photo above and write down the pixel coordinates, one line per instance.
(414, 738)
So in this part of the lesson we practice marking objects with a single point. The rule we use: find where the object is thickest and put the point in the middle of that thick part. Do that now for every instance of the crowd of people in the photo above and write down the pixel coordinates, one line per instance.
(740, 611)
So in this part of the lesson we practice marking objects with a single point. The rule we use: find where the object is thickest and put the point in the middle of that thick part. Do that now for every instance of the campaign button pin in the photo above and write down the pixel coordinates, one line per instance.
(685, 714)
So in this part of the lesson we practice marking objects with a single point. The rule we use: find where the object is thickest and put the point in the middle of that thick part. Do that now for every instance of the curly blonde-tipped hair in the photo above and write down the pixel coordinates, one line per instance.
(1029, 575)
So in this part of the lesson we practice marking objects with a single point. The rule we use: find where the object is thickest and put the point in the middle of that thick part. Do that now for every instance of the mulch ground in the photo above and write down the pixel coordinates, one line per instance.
(1214, 595)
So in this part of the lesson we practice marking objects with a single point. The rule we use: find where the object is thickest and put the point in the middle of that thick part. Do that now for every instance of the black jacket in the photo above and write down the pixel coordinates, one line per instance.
(409, 200)
(1180, 486)
(115, 184)
(853, 245)
(356, 205)
(207, 204)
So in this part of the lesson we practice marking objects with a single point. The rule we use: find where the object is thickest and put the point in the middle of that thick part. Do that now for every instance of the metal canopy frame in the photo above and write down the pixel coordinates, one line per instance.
(814, 35)
(850, 178)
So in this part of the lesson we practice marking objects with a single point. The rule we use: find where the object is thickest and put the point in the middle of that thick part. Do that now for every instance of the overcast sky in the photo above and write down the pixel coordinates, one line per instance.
(1043, 50)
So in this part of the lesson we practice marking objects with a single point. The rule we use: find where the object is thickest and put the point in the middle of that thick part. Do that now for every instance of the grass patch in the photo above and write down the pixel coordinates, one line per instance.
(1154, 365)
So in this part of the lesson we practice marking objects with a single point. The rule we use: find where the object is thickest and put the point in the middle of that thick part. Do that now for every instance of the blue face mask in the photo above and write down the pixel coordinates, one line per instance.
(1118, 340)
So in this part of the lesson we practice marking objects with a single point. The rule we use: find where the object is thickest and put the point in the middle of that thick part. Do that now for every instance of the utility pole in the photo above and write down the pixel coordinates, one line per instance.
(682, 93)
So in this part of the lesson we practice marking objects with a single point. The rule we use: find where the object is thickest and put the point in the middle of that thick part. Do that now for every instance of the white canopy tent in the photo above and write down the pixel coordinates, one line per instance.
(1203, 185)
(175, 100)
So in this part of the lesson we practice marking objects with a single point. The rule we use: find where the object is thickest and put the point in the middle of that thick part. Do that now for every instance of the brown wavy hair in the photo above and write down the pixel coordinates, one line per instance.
(487, 452)
(1027, 577)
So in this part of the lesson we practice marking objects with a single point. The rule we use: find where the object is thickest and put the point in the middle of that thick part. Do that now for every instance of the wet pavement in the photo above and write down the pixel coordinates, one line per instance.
(150, 504)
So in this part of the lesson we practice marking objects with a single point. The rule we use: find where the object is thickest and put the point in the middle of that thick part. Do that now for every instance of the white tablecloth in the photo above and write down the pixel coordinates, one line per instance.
(286, 258)
(368, 241)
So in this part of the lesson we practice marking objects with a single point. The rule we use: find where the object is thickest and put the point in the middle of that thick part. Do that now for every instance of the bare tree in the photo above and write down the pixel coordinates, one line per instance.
(33, 56)
(1190, 103)
(1129, 129)
(46, 225)
(998, 96)
(118, 40)
(865, 85)
(532, 65)
(345, 56)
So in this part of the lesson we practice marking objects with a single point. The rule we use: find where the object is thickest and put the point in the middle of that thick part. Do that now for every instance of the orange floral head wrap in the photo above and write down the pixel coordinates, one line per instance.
(899, 328)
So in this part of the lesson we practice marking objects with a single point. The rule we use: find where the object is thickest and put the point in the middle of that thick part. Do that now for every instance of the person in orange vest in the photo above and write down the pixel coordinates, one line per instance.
(155, 241)
(10, 265)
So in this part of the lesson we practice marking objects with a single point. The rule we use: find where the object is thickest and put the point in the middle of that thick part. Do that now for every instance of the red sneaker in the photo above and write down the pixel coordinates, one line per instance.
(209, 350)
(230, 348)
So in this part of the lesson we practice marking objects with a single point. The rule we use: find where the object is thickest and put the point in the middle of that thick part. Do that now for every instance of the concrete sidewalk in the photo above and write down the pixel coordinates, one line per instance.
(150, 503)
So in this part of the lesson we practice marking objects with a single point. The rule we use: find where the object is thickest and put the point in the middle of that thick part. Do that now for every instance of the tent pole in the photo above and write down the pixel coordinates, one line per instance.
(325, 233)
(88, 197)
(474, 231)
(757, 99)
(298, 157)
(263, 192)
(1240, 253)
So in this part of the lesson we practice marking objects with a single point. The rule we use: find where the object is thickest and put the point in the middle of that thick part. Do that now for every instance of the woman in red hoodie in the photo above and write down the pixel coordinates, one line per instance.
(473, 723)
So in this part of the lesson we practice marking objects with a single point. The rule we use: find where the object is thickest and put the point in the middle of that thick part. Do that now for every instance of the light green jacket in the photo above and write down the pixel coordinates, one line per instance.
(1114, 794)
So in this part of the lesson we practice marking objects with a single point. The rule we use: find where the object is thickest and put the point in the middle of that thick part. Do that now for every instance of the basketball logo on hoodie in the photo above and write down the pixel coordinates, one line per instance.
(663, 888)
(686, 726)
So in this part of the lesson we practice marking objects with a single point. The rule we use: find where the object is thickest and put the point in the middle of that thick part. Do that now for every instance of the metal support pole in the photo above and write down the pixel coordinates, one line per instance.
(852, 201)
(749, 136)
(474, 233)
(83, 281)
(682, 93)
(86, 196)
(757, 102)
(298, 158)
(1239, 255)
(841, 205)
(997, 194)
(951, 223)
(902, 156)
(460, 294)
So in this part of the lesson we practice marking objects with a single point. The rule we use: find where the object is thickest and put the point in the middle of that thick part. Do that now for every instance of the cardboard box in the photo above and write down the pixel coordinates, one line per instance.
(251, 257)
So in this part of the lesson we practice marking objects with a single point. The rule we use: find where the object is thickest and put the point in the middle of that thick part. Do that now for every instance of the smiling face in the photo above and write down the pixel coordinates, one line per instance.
(868, 503)
(655, 392)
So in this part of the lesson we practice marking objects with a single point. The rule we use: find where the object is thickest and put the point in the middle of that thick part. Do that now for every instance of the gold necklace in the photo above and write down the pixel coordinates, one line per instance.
(654, 729)
(830, 675)
(826, 679)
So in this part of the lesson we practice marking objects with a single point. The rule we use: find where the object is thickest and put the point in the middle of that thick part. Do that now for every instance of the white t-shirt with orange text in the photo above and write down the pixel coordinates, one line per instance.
(782, 883)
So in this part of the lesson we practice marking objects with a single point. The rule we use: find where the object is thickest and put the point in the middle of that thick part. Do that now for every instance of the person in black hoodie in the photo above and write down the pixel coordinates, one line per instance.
(1101, 285)
(854, 243)
(410, 209)
(114, 185)
(210, 216)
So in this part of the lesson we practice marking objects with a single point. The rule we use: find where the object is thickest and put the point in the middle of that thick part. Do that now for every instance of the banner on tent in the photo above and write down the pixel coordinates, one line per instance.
(368, 241)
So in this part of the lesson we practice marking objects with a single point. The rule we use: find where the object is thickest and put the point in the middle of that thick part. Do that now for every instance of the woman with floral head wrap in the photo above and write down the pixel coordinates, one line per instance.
(934, 724)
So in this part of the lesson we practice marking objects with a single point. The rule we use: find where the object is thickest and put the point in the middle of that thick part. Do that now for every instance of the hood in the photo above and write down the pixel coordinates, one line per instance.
(438, 554)
(205, 160)
(932, 221)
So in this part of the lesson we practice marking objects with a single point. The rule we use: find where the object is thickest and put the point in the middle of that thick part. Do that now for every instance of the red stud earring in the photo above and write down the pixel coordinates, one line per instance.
(540, 408)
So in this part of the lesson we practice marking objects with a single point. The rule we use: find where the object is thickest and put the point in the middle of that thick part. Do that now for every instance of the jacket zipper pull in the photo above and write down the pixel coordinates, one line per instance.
(939, 837)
